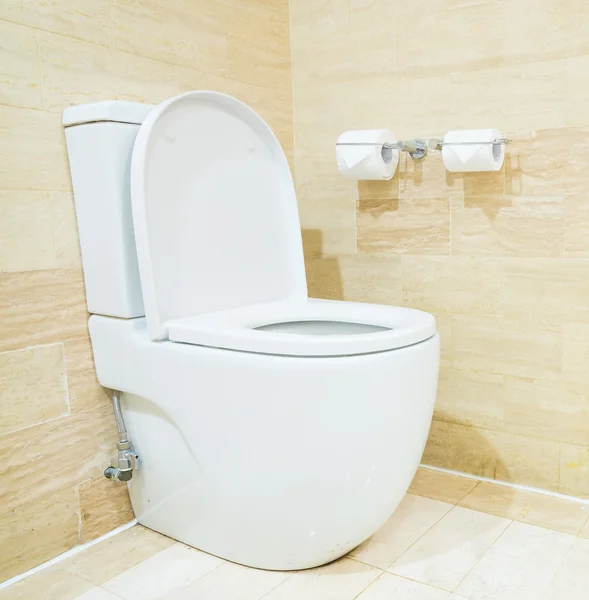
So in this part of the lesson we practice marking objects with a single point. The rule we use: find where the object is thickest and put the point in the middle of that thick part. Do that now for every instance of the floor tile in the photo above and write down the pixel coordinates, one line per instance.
(519, 566)
(446, 553)
(98, 593)
(528, 507)
(392, 587)
(571, 580)
(117, 554)
(170, 570)
(341, 580)
(585, 530)
(413, 517)
(442, 486)
(50, 584)
(232, 581)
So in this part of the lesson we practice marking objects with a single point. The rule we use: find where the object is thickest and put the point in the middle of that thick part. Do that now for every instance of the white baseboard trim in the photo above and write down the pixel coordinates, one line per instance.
(72, 552)
(515, 486)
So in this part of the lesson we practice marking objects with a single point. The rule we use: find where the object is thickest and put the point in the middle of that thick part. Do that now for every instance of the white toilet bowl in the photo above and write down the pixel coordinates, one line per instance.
(274, 430)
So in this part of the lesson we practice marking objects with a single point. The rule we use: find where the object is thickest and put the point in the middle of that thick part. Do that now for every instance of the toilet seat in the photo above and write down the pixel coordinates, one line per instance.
(308, 328)
(202, 159)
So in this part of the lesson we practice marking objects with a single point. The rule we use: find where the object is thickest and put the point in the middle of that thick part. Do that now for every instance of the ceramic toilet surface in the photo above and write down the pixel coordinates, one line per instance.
(307, 328)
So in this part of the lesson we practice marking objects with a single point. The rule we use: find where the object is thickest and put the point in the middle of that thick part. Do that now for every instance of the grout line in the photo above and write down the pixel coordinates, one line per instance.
(516, 486)
(582, 526)
(371, 583)
(67, 554)
(482, 557)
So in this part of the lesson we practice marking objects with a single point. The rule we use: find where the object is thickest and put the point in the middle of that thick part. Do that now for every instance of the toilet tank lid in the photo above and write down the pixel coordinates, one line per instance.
(115, 111)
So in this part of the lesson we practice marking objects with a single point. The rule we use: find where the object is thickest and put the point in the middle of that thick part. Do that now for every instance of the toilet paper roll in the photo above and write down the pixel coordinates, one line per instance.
(475, 155)
(361, 155)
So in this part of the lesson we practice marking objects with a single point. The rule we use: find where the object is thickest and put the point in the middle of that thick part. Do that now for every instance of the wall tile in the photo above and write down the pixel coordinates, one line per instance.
(575, 350)
(574, 470)
(33, 532)
(104, 506)
(522, 347)
(457, 284)
(577, 80)
(576, 226)
(76, 72)
(528, 507)
(508, 226)
(19, 67)
(38, 230)
(32, 387)
(85, 19)
(466, 52)
(416, 226)
(262, 58)
(185, 33)
(493, 454)
(444, 323)
(33, 150)
(547, 162)
(41, 307)
(442, 486)
(547, 288)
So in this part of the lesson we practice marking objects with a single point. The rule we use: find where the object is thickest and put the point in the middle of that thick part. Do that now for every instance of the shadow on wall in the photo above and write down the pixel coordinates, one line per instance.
(468, 450)
(324, 279)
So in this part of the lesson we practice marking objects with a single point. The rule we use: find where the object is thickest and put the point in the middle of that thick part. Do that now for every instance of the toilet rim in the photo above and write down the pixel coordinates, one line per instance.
(374, 328)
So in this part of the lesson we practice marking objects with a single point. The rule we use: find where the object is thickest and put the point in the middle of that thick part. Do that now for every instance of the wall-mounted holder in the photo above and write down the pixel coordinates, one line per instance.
(437, 144)
(416, 149)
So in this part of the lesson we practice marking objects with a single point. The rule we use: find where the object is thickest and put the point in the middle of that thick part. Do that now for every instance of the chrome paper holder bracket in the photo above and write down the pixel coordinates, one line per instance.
(438, 144)
(416, 149)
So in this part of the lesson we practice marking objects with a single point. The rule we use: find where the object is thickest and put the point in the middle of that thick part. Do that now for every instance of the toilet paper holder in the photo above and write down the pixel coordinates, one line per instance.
(437, 144)
(416, 148)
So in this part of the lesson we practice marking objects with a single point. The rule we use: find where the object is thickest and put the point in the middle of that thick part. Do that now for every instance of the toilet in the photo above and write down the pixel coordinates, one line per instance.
(273, 430)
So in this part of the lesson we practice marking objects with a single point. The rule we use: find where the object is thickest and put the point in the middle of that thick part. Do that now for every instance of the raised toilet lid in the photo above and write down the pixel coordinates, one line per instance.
(214, 211)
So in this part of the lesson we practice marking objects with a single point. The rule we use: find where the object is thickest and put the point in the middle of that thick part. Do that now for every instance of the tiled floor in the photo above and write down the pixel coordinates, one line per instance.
(451, 539)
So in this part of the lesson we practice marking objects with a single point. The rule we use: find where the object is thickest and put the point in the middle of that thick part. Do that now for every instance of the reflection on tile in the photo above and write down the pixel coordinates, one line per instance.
(438, 485)
(391, 587)
(413, 517)
(456, 284)
(32, 387)
(494, 454)
(113, 556)
(164, 573)
(574, 470)
(341, 580)
(528, 507)
(19, 67)
(519, 566)
(232, 581)
(448, 551)
(51, 584)
(103, 507)
(417, 226)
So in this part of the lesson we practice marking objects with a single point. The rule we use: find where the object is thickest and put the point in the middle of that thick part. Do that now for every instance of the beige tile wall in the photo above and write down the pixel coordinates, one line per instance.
(501, 259)
(56, 425)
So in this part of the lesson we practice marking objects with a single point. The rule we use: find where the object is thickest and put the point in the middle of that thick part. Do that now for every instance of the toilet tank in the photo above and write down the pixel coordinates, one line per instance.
(100, 138)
